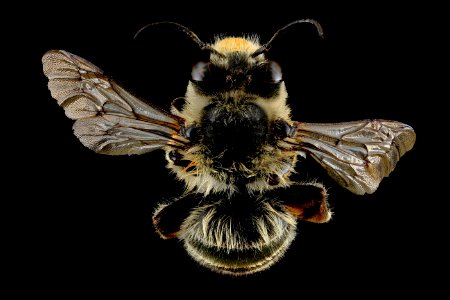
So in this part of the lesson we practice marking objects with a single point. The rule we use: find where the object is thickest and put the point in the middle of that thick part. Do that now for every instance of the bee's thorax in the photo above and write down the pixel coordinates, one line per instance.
(233, 133)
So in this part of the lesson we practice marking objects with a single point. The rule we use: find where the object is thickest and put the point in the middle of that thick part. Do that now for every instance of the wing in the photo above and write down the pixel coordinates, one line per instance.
(358, 155)
(109, 120)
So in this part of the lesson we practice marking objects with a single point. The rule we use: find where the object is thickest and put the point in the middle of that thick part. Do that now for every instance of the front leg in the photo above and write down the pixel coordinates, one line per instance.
(281, 129)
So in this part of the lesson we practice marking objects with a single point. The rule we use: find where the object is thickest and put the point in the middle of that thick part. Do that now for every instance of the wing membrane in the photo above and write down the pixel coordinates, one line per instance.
(108, 119)
(358, 155)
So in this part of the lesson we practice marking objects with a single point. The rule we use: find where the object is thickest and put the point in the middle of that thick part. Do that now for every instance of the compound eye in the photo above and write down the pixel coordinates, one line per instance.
(268, 73)
(275, 71)
(199, 71)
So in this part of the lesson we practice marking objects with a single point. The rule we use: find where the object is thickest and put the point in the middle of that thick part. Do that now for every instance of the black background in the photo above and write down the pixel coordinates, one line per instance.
(85, 219)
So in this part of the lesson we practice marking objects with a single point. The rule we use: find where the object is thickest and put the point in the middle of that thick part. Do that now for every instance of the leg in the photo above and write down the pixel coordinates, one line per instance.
(168, 217)
(306, 201)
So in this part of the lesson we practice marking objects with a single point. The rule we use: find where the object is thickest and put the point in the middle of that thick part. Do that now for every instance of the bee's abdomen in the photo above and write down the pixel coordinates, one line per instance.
(238, 236)
(233, 133)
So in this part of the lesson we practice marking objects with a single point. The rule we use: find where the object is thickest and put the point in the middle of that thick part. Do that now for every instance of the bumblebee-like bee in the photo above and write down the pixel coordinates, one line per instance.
(232, 141)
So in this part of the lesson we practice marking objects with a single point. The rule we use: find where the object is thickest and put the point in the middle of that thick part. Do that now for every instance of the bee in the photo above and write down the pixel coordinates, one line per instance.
(233, 144)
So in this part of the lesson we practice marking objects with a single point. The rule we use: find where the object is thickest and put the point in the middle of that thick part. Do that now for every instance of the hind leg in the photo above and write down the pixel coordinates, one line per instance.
(168, 217)
(306, 201)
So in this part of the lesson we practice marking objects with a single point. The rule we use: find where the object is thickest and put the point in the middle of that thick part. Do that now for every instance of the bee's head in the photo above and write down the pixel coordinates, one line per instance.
(232, 66)
(236, 64)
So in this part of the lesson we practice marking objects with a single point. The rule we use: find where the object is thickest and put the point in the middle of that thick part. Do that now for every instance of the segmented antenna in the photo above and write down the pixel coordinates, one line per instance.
(266, 46)
(190, 33)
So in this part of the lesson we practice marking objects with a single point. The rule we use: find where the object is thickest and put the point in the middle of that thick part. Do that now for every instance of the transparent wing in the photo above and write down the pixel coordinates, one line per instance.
(358, 155)
(109, 120)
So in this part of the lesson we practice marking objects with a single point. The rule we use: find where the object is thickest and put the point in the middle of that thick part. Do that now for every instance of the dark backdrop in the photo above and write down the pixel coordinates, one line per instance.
(85, 219)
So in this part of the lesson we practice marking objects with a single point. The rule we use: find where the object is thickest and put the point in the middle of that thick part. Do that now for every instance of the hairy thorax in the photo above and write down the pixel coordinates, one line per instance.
(234, 147)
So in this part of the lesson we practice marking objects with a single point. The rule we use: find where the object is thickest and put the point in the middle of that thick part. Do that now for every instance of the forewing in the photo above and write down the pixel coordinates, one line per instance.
(358, 155)
(109, 120)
